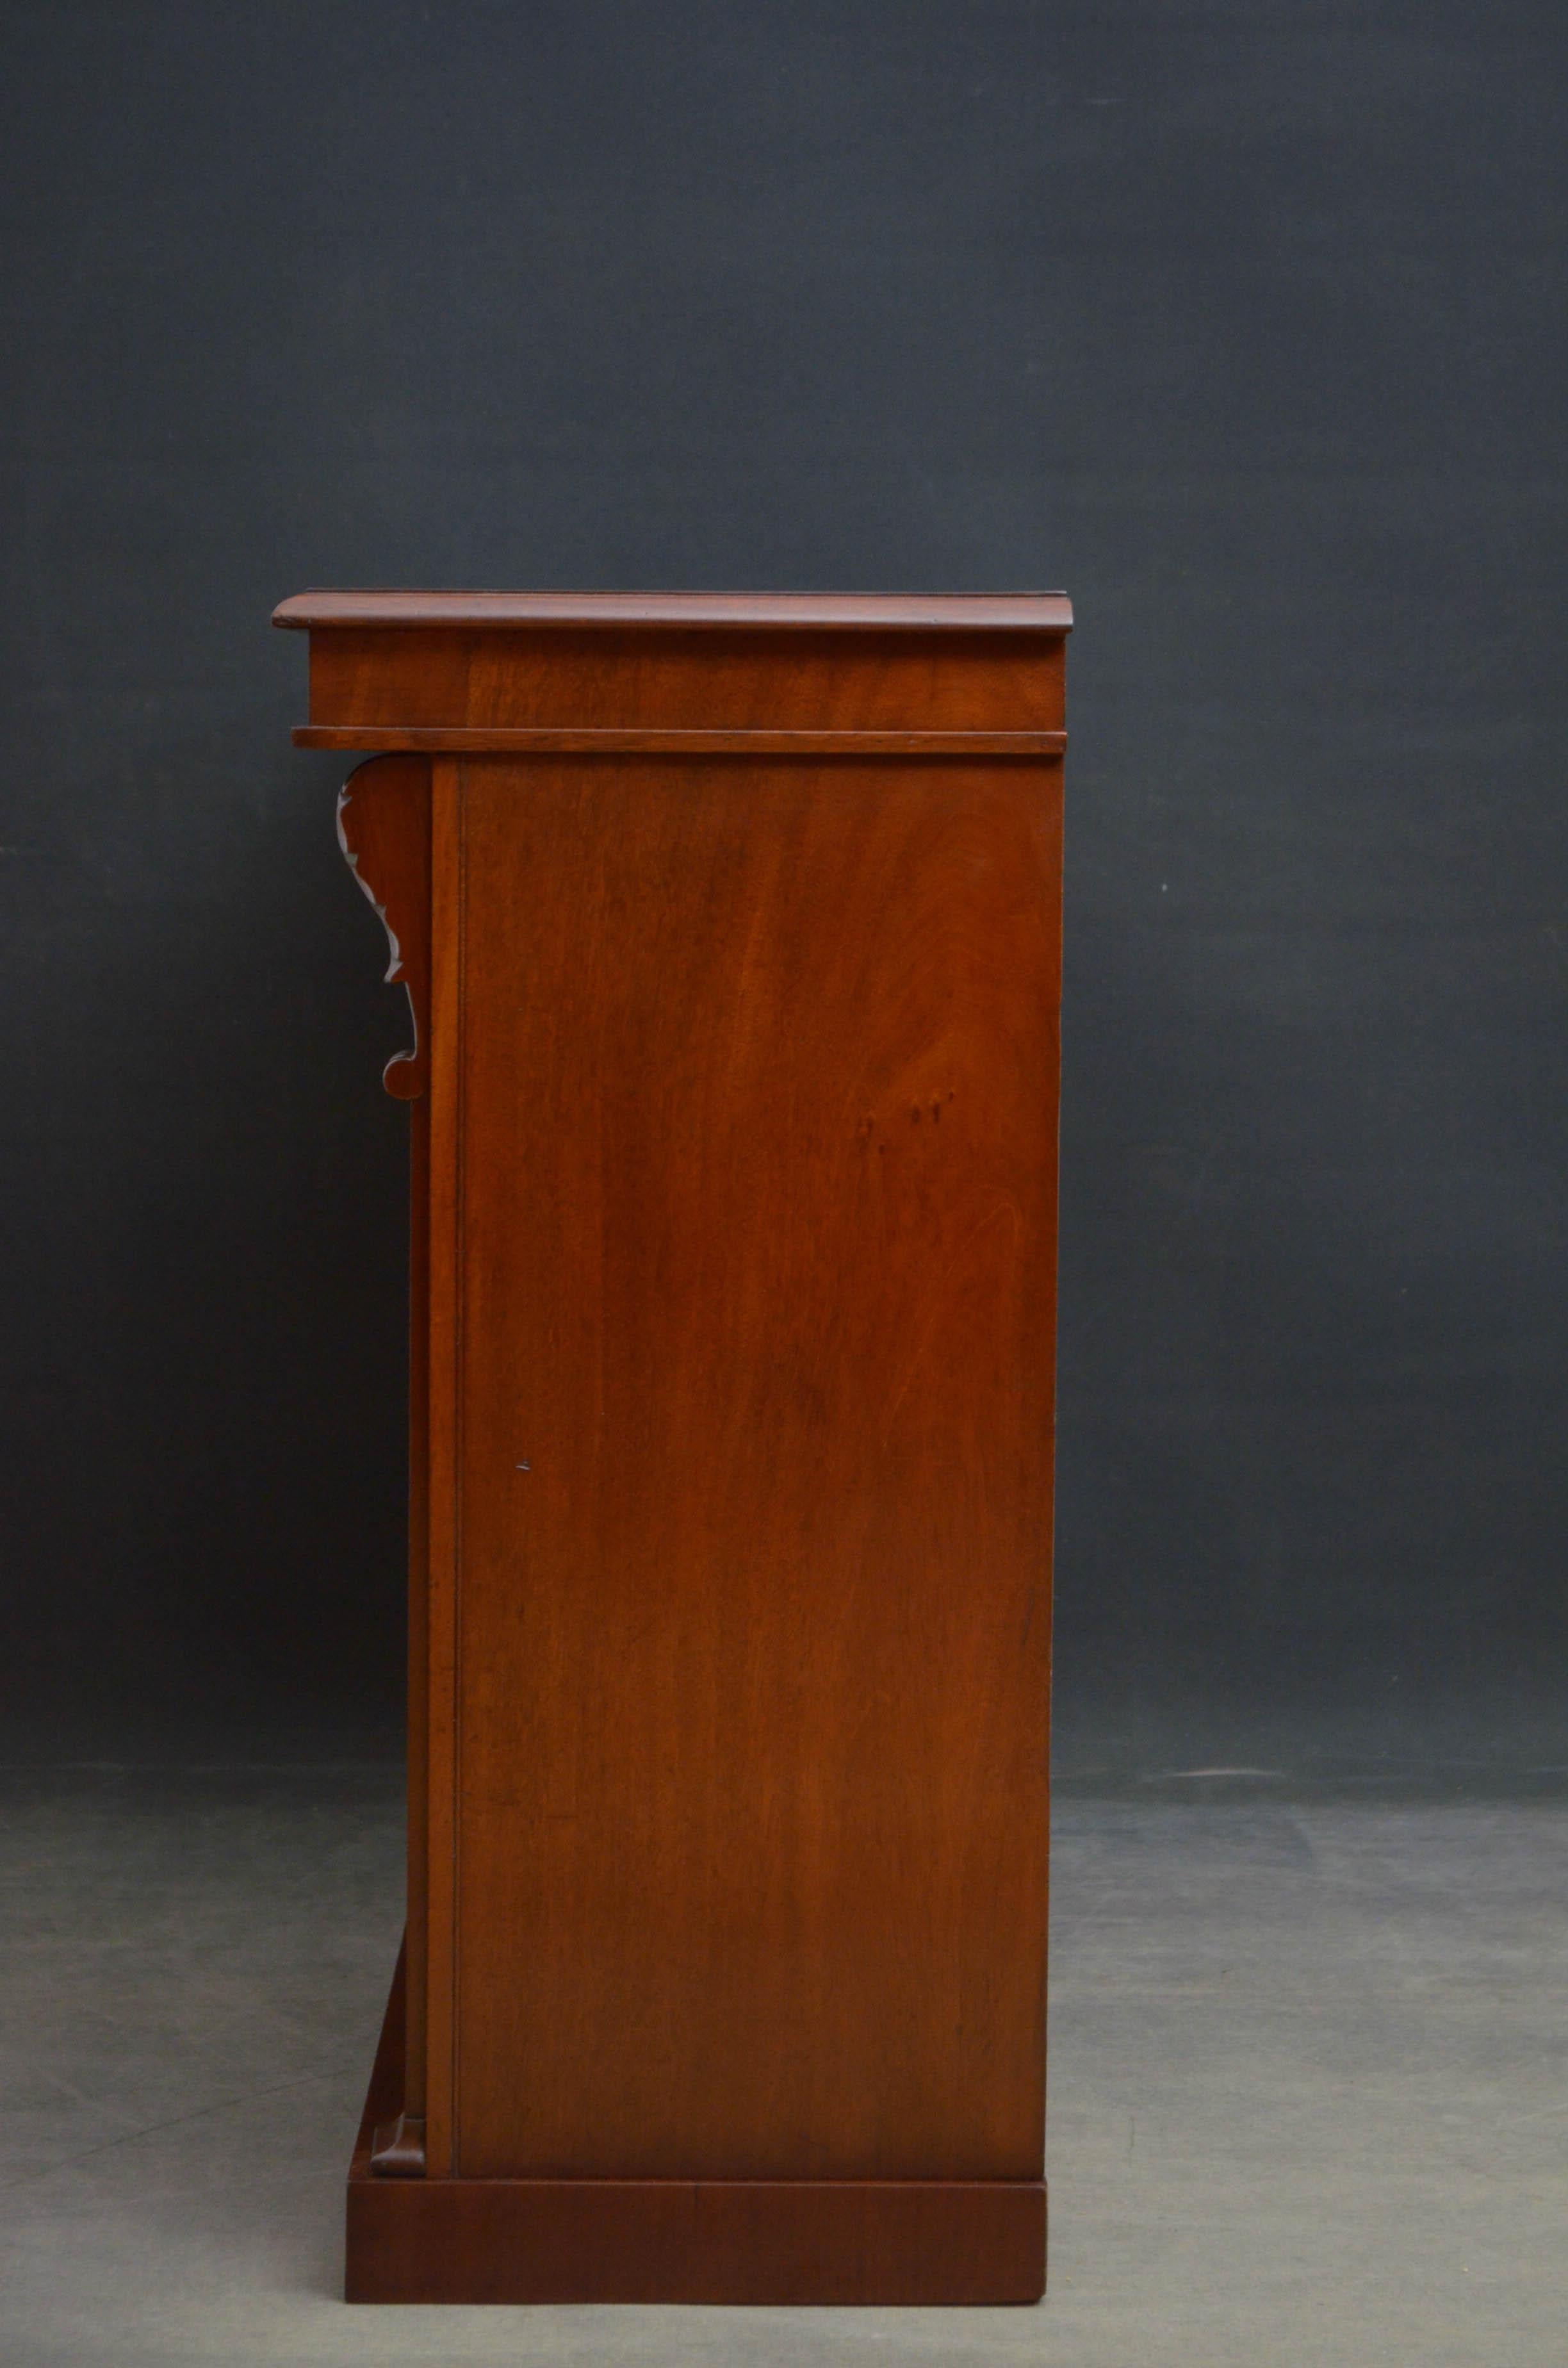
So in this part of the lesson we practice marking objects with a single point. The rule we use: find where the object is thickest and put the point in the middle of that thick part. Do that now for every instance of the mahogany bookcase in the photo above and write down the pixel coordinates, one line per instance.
(731, 926)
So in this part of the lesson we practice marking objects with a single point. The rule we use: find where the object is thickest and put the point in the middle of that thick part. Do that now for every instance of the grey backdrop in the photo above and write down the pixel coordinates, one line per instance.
(1243, 324)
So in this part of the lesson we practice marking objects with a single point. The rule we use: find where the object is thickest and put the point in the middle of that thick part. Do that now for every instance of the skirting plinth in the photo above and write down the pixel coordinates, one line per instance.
(760, 2241)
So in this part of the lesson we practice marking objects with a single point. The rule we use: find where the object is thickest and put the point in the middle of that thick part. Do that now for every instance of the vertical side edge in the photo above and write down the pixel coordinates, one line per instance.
(416, 1942)
(416, 1947)
(445, 1205)
(1054, 779)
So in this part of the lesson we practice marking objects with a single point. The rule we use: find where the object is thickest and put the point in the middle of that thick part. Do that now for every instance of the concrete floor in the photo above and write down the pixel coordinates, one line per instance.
(1309, 2098)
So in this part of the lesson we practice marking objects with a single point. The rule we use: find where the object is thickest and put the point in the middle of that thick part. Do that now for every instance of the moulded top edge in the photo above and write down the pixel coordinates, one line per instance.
(1040, 612)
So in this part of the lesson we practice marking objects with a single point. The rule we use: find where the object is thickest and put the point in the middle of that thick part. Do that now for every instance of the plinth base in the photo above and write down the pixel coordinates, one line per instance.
(644, 2240)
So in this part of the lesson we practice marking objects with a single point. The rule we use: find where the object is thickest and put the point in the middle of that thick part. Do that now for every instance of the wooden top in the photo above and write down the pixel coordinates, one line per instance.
(1036, 612)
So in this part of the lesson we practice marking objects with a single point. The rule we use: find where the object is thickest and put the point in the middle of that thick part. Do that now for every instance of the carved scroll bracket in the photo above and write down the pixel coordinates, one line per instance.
(383, 828)
(397, 2148)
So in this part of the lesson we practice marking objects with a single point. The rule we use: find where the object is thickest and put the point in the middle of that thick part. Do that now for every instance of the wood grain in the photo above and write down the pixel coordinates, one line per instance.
(680, 679)
(732, 1280)
(757, 1274)
(613, 740)
(737, 2241)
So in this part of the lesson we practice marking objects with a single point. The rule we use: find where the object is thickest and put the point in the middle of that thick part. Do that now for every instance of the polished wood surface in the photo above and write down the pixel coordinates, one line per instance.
(463, 672)
(762, 2242)
(1019, 612)
(758, 1266)
(734, 1186)
(601, 740)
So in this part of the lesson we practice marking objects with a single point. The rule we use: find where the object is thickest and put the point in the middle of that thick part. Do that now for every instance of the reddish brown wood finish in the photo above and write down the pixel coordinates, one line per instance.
(402, 661)
(733, 1296)
(756, 2241)
(527, 740)
(563, 678)
(758, 1263)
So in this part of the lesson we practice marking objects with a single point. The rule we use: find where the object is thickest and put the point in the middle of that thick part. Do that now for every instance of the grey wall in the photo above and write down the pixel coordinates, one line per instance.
(1243, 324)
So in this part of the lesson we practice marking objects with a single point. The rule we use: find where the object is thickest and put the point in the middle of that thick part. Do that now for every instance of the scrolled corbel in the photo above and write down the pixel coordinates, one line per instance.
(383, 828)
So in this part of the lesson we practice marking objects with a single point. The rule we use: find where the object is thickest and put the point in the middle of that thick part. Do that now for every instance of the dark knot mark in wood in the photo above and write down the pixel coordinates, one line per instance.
(383, 828)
